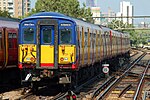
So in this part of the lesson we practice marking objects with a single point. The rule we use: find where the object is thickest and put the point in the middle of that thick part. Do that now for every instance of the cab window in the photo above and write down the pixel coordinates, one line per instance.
(65, 36)
(28, 36)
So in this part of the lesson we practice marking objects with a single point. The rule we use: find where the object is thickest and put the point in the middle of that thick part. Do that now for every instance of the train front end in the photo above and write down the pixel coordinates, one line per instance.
(47, 48)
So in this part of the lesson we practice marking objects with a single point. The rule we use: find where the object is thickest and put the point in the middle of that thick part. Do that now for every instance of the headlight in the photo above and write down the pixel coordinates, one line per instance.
(28, 59)
(65, 59)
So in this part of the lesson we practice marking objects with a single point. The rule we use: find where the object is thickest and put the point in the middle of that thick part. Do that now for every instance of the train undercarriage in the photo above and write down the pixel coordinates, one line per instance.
(9, 78)
(70, 79)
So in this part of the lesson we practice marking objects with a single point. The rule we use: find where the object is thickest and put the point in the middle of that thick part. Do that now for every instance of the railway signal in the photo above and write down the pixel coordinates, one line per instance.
(105, 69)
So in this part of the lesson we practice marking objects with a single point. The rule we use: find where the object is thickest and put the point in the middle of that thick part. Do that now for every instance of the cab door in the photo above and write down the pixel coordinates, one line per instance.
(47, 46)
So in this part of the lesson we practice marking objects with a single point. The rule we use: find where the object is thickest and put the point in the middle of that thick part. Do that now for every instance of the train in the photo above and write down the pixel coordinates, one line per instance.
(9, 70)
(69, 50)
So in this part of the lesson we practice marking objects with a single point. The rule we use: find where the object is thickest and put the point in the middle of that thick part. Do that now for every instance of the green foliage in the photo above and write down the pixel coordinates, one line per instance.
(4, 14)
(68, 7)
(135, 36)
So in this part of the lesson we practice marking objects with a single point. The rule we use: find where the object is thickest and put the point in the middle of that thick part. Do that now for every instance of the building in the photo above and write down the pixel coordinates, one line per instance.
(22, 7)
(107, 20)
(126, 9)
(7, 5)
(111, 13)
(17, 8)
(96, 13)
(33, 2)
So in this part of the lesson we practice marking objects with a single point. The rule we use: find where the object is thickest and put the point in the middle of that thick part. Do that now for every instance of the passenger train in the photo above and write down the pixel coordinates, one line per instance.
(53, 45)
(8, 49)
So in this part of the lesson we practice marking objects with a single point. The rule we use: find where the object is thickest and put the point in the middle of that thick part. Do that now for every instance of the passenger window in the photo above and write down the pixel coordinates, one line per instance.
(91, 39)
(14, 35)
(86, 39)
(47, 35)
(9, 35)
(80, 39)
(10, 42)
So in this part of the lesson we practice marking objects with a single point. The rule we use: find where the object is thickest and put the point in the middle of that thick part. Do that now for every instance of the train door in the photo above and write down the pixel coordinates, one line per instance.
(12, 46)
(105, 45)
(46, 46)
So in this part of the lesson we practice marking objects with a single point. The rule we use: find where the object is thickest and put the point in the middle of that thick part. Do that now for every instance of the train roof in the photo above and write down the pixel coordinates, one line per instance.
(42, 15)
(58, 15)
(10, 19)
(9, 22)
(47, 15)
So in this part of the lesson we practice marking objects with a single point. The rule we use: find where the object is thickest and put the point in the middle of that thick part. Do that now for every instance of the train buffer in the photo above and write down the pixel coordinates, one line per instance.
(71, 95)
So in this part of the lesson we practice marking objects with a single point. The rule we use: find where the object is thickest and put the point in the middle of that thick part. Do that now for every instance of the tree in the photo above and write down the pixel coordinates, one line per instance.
(4, 14)
(117, 24)
(136, 36)
(68, 7)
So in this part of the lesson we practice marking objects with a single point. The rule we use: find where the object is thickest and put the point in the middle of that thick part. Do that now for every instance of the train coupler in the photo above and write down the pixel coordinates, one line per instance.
(27, 78)
(70, 95)
(64, 79)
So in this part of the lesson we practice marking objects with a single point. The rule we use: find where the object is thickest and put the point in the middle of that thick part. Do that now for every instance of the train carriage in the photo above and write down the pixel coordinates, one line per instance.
(8, 43)
(106, 41)
(9, 70)
(54, 45)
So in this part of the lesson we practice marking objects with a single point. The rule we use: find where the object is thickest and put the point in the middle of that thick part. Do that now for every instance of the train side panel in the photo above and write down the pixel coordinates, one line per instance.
(1, 48)
(8, 47)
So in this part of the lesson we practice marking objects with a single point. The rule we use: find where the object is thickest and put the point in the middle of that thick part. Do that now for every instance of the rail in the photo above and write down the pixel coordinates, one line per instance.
(107, 90)
(124, 90)
(102, 87)
(137, 93)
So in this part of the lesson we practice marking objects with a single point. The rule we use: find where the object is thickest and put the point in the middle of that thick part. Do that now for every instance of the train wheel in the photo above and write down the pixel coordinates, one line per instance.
(65, 87)
(34, 87)
(75, 80)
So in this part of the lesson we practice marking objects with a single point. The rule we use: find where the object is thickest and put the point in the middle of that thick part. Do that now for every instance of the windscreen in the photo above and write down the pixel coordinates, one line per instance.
(28, 36)
(65, 36)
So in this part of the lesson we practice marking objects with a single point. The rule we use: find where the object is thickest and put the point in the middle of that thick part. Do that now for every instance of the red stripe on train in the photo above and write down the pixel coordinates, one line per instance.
(47, 64)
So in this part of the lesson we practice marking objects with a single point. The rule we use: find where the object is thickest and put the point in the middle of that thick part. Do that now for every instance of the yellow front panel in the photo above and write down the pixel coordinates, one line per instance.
(20, 53)
(27, 53)
(67, 54)
(47, 54)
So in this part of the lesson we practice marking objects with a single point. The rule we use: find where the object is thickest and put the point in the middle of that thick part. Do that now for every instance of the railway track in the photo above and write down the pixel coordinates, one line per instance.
(93, 88)
(102, 88)
(90, 89)
(85, 89)
(109, 91)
